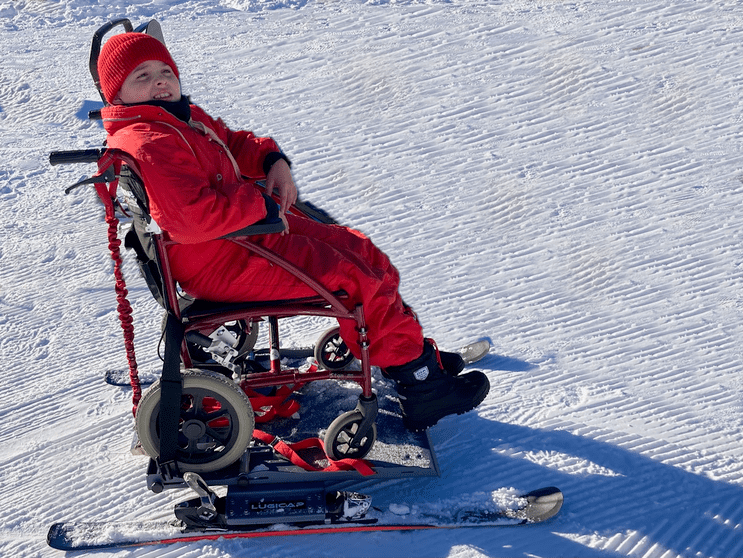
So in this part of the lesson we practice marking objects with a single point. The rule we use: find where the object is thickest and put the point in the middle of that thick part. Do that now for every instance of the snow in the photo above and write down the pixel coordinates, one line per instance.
(562, 177)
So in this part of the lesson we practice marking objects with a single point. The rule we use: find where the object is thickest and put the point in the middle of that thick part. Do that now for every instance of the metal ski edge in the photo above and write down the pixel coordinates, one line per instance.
(542, 504)
(199, 536)
(57, 539)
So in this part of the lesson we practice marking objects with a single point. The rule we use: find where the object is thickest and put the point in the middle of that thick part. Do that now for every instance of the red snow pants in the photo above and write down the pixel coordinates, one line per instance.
(338, 258)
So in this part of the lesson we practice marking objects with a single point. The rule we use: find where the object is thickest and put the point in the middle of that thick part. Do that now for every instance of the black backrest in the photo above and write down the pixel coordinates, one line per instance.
(139, 238)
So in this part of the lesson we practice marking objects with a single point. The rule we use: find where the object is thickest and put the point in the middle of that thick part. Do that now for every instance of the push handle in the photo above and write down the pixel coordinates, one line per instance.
(95, 49)
(77, 156)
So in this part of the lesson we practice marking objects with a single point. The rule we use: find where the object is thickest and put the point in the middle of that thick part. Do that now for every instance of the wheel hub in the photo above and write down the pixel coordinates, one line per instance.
(193, 429)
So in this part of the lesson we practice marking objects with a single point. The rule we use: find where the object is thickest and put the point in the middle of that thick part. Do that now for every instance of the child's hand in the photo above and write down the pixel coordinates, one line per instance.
(280, 179)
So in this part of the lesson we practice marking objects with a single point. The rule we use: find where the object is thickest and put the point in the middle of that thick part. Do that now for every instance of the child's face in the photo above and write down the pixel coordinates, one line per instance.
(152, 80)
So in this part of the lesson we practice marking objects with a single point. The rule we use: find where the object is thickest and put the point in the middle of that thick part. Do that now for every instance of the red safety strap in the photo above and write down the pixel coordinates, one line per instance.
(290, 452)
(268, 407)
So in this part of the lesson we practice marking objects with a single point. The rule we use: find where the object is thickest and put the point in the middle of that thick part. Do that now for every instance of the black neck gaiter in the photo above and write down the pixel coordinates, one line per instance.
(180, 109)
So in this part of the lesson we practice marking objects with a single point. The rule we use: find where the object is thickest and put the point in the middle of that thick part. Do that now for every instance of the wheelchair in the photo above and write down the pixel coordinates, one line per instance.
(199, 415)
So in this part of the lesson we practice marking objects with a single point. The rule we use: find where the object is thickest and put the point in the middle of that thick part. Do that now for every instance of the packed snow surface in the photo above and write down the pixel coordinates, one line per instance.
(561, 177)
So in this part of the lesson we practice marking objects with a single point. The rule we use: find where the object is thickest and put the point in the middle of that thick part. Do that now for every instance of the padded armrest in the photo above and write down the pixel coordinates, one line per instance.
(261, 227)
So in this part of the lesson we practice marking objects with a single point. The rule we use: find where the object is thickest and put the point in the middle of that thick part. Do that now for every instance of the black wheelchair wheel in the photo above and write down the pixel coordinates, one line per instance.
(331, 352)
(340, 433)
(216, 422)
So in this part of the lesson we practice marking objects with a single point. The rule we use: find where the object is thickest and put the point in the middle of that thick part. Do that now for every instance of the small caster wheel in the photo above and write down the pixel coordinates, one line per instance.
(340, 434)
(331, 352)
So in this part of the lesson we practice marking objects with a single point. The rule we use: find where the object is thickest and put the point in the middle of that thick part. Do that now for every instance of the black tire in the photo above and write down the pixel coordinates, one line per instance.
(248, 338)
(340, 433)
(331, 352)
(216, 425)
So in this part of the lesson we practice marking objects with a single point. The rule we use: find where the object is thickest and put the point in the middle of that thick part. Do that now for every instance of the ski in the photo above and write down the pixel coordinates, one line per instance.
(528, 509)
(119, 377)
(475, 351)
(471, 353)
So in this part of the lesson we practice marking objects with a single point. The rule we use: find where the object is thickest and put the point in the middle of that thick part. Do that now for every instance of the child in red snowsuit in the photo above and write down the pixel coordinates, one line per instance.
(196, 172)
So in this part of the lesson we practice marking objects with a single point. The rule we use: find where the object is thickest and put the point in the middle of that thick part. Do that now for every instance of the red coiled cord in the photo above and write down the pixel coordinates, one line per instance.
(108, 197)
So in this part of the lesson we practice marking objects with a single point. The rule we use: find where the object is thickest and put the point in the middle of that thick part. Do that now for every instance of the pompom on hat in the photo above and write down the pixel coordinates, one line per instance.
(120, 56)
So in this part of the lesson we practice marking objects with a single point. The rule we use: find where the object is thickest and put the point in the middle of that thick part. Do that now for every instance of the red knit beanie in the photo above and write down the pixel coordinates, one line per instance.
(122, 53)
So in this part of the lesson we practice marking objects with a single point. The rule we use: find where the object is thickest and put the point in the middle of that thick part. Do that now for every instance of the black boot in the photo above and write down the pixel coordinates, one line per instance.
(453, 363)
(428, 393)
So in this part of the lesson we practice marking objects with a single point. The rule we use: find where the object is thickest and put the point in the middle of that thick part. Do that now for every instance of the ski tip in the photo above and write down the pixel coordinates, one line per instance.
(475, 351)
(543, 503)
(56, 538)
(117, 378)
(120, 378)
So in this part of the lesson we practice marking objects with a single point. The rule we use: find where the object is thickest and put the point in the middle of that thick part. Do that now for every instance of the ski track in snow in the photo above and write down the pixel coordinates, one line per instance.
(561, 177)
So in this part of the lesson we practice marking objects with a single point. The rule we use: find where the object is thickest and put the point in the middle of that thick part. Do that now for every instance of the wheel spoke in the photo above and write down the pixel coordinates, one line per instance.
(198, 403)
(223, 439)
(191, 447)
(214, 415)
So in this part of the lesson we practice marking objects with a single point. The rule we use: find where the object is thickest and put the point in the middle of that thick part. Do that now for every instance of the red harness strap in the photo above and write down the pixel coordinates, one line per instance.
(268, 407)
(290, 452)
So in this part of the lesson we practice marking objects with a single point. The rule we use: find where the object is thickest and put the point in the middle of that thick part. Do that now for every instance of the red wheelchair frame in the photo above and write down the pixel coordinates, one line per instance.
(351, 435)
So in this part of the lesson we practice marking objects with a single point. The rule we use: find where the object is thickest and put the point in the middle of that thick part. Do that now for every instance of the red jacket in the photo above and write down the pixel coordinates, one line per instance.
(198, 196)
